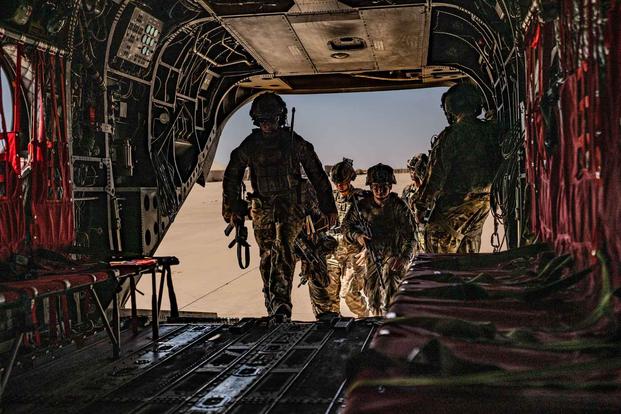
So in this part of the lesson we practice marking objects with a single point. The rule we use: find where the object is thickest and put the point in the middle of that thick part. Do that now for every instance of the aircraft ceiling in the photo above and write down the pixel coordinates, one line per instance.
(151, 84)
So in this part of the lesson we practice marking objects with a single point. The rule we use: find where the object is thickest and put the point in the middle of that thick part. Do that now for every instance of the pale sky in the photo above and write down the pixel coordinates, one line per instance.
(7, 104)
(369, 127)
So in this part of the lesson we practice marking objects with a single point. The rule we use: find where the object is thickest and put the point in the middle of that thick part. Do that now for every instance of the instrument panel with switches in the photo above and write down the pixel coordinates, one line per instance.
(140, 39)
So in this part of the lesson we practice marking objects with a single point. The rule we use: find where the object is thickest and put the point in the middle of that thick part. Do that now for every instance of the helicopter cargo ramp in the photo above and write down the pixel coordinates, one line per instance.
(255, 365)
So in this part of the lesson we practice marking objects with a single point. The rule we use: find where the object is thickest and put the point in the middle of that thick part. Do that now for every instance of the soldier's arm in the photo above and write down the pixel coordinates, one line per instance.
(350, 228)
(317, 176)
(437, 172)
(407, 229)
(404, 193)
(232, 202)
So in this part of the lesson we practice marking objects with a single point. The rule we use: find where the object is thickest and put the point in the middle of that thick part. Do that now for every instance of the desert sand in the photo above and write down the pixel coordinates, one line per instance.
(209, 279)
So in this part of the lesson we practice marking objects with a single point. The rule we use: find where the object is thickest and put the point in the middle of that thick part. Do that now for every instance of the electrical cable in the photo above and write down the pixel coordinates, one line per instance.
(220, 287)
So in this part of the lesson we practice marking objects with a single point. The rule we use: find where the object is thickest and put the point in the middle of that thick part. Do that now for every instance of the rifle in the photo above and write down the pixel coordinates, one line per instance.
(376, 259)
(307, 251)
(292, 122)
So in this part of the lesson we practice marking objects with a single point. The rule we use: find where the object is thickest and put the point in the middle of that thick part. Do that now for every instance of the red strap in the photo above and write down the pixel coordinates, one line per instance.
(55, 136)
(62, 153)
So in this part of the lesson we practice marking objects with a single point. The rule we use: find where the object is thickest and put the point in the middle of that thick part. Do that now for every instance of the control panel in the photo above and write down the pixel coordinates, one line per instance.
(140, 39)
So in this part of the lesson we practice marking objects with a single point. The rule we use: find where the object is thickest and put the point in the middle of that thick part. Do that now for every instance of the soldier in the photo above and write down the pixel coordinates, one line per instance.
(417, 166)
(345, 274)
(383, 225)
(311, 247)
(456, 191)
(275, 156)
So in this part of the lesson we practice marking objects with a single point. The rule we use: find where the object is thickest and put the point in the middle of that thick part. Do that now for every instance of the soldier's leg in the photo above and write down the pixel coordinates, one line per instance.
(319, 295)
(473, 229)
(353, 286)
(420, 239)
(265, 239)
(471, 244)
(320, 299)
(439, 241)
(392, 279)
(283, 266)
(333, 290)
(373, 290)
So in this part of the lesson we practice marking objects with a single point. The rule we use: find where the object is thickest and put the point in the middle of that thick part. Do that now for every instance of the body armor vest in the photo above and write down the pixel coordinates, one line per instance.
(275, 169)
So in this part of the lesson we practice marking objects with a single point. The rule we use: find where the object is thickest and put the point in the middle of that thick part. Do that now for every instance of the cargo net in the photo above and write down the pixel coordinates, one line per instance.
(12, 214)
(36, 206)
(520, 331)
(572, 135)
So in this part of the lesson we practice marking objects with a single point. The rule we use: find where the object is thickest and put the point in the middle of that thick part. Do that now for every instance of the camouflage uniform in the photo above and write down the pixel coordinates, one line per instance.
(321, 294)
(345, 275)
(462, 166)
(410, 195)
(277, 207)
(393, 238)
(417, 166)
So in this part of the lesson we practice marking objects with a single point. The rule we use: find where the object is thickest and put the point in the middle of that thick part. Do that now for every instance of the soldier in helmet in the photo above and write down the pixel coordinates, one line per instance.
(275, 156)
(382, 224)
(455, 198)
(417, 166)
(345, 274)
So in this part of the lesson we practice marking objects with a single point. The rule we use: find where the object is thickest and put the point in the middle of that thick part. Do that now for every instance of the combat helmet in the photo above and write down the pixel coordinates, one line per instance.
(462, 99)
(268, 106)
(418, 163)
(381, 174)
(343, 171)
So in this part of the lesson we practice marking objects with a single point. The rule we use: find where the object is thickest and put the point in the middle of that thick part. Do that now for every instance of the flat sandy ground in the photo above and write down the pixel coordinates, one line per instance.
(209, 279)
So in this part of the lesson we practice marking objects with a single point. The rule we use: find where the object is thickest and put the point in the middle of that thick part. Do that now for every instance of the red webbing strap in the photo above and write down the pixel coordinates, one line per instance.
(534, 130)
(12, 215)
(579, 188)
(566, 192)
(575, 201)
(52, 144)
(579, 192)
(610, 213)
(538, 168)
(38, 174)
(52, 203)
